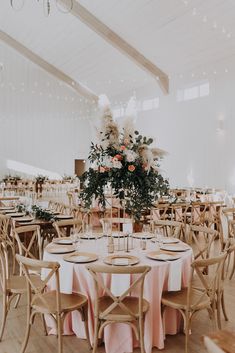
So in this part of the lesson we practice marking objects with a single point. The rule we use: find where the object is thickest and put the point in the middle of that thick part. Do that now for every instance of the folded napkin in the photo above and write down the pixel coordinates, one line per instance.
(174, 277)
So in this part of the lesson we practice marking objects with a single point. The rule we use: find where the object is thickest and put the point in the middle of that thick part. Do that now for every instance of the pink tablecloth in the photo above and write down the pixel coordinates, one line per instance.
(118, 338)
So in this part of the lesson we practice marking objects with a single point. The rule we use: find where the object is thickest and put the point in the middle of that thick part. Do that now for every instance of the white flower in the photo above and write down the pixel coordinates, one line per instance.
(130, 155)
(117, 164)
(94, 166)
(107, 162)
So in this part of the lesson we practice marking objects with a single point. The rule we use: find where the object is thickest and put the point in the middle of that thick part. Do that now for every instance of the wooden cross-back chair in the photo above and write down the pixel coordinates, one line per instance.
(116, 223)
(201, 239)
(169, 228)
(63, 227)
(160, 212)
(53, 303)
(191, 300)
(12, 286)
(212, 216)
(29, 241)
(123, 308)
(198, 213)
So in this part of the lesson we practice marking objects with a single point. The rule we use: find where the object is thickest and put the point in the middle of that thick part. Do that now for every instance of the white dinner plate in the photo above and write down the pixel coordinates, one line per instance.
(161, 256)
(176, 247)
(142, 236)
(63, 241)
(92, 236)
(166, 240)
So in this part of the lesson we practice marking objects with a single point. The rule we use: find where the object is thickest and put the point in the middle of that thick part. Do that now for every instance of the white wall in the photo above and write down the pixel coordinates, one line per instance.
(43, 123)
(199, 155)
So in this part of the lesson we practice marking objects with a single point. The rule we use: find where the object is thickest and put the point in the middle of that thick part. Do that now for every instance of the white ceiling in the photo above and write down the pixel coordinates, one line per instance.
(177, 35)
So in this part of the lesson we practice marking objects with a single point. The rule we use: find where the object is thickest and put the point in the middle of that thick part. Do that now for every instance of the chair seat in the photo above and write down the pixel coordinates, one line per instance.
(69, 302)
(118, 313)
(18, 284)
(178, 300)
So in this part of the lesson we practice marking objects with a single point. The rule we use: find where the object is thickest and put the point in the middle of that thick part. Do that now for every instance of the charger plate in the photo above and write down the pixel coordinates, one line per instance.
(166, 240)
(59, 249)
(175, 247)
(142, 236)
(162, 256)
(63, 241)
(81, 257)
(63, 216)
(92, 236)
(121, 260)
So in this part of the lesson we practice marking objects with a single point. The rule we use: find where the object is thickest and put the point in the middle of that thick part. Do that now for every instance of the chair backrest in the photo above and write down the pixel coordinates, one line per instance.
(29, 241)
(137, 282)
(168, 228)
(201, 240)
(5, 229)
(198, 213)
(4, 266)
(63, 227)
(227, 215)
(52, 268)
(209, 286)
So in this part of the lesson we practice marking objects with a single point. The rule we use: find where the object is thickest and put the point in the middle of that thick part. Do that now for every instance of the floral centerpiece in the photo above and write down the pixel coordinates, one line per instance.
(123, 160)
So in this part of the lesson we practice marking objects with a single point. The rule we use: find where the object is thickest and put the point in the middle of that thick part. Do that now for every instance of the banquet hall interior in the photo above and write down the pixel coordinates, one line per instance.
(117, 176)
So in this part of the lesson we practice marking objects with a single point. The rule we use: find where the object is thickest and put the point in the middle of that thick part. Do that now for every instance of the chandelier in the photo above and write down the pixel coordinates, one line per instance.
(64, 6)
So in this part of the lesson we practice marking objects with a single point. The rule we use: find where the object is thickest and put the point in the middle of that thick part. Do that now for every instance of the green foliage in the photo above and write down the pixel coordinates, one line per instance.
(135, 182)
(42, 214)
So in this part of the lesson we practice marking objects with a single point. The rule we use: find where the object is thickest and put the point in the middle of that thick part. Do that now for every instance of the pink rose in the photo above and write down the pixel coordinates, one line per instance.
(131, 168)
(118, 157)
(122, 148)
(102, 169)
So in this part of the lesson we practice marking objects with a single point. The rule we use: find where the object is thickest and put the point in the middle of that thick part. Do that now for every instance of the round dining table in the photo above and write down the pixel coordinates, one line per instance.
(164, 276)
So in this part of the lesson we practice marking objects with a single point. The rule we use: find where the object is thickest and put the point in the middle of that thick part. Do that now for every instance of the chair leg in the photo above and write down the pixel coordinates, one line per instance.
(213, 318)
(233, 269)
(186, 330)
(141, 330)
(44, 324)
(95, 343)
(85, 319)
(27, 332)
(4, 315)
(223, 307)
(59, 333)
(218, 307)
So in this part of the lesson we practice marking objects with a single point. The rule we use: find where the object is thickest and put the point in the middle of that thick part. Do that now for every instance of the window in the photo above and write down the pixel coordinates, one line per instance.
(193, 92)
(145, 105)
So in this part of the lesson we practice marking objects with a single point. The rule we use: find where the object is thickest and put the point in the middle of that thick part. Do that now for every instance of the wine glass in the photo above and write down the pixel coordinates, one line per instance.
(75, 237)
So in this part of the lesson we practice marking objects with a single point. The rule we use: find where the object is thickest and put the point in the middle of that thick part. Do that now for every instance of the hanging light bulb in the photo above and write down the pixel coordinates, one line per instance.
(64, 6)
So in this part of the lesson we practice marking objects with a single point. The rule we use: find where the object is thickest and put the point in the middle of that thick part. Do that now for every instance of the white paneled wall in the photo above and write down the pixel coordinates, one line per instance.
(43, 123)
(198, 134)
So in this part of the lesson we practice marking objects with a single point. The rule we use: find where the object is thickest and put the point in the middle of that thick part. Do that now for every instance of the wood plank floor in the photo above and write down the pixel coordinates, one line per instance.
(38, 343)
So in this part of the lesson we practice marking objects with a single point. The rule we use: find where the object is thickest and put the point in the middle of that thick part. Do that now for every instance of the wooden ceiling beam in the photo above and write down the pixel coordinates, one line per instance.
(52, 70)
(116, 41)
